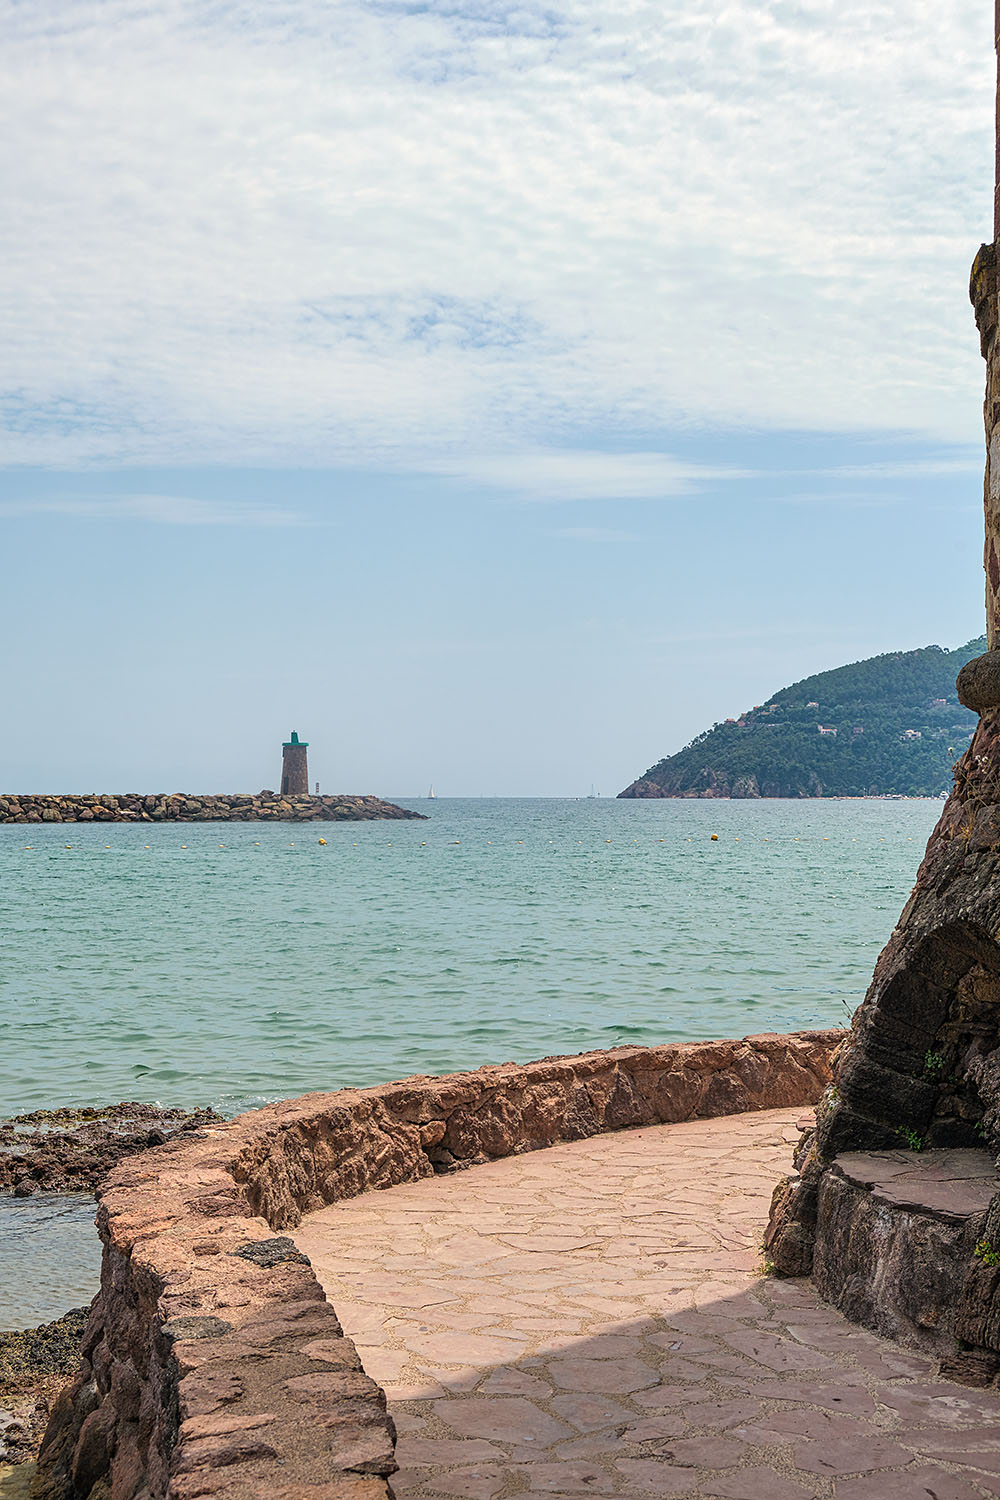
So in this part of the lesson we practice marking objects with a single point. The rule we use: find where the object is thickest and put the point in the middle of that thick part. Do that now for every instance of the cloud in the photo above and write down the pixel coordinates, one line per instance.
(929, 468)
(240, 232)
(583, 474)
(165, 510)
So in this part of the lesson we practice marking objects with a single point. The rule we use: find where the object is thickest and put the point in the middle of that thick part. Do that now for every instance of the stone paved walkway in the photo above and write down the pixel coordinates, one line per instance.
(591, 1320)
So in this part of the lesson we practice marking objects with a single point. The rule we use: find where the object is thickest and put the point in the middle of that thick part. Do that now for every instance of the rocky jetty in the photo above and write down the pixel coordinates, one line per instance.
(180, 807)
(70, 1150)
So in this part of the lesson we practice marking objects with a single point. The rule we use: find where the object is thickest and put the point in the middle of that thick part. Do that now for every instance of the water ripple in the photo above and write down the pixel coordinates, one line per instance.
(198, 975)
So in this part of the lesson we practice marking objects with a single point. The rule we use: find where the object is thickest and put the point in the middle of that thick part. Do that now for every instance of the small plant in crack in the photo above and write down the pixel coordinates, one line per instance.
(933, 1063)
(985, 1252)
(912, 1139)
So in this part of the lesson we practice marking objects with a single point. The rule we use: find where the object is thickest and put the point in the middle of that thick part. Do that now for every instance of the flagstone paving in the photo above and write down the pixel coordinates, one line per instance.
(591, 1320)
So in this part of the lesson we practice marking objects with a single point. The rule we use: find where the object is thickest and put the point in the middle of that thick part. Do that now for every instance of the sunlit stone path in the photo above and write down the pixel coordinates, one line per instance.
(592, 1320)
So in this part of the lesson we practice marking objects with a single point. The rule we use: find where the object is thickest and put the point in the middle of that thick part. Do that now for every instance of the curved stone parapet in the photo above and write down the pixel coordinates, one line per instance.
(212, 1364)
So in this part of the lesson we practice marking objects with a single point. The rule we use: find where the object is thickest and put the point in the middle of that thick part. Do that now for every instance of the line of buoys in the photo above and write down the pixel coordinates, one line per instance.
(424, 843)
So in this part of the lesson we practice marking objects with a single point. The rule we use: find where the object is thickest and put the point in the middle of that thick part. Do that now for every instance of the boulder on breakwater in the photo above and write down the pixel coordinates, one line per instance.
(179, 807)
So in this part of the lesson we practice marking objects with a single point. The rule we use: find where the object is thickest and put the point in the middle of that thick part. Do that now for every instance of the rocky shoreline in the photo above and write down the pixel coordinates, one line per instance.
(64, 1151)
(180, 807)
(70, 1150)
(35, 1364)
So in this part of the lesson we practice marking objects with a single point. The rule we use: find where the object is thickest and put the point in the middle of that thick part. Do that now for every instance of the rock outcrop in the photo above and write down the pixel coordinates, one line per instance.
(212, 1364)
(180, 807)
(922, 1065)
(71, 1150)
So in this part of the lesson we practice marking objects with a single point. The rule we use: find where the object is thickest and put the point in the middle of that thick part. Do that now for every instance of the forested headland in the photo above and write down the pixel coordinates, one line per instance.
(888, 726)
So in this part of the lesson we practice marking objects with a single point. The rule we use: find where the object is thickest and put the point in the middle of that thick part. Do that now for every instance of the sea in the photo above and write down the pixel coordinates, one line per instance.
(235, 963)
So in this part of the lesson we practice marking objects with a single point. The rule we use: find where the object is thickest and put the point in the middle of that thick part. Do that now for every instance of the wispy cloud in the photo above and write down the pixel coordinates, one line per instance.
(164, 510)
(582, 474)
(929, 468)
(285, 232)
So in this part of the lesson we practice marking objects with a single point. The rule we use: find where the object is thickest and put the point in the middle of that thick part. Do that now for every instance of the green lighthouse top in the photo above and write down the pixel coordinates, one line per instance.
(295, 741)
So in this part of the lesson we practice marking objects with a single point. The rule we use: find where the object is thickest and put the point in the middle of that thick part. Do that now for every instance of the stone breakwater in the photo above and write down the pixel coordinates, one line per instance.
(179, 807)
(212, 1363)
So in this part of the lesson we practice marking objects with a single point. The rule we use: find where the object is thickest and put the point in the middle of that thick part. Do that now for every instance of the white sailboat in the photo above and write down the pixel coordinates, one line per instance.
(432, 792)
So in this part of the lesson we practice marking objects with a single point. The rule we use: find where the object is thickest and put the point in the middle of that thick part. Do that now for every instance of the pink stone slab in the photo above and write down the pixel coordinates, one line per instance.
(437, 1453)
(481, 1482)
(505, 1419)
(657, 1477)
(556, 1478)
(835, 1455)
(605, 1376)
(756, 1484)
(928, 1482)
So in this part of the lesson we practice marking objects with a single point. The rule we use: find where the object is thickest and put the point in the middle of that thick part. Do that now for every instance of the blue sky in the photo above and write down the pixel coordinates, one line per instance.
(497, 395)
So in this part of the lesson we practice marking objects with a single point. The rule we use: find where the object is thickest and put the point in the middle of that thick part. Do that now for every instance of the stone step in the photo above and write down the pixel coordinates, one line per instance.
(897, 1233)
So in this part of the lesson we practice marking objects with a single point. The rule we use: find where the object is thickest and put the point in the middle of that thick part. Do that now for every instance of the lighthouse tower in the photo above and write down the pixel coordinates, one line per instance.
(294, 770)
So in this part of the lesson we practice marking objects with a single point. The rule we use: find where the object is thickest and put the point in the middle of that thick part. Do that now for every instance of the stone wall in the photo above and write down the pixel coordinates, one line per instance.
(180, 807)
(213, 1366)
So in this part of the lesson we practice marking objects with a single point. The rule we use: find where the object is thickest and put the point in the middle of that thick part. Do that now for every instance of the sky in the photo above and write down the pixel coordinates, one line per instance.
(496, 394)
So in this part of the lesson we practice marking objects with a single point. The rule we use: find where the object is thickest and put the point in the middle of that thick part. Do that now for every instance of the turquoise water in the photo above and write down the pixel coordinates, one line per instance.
(234, 963)
(50, 1257)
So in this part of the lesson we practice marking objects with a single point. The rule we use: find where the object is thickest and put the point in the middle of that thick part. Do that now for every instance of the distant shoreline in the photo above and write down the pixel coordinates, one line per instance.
(832, 797)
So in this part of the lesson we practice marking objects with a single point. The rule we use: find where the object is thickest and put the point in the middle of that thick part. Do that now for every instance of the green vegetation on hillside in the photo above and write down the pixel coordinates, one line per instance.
(891, 725)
